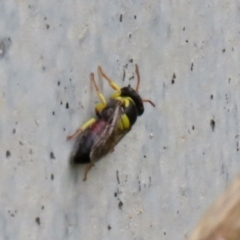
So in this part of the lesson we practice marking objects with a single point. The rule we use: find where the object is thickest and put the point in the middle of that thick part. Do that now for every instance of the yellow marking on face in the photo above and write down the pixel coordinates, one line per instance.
(124, 100)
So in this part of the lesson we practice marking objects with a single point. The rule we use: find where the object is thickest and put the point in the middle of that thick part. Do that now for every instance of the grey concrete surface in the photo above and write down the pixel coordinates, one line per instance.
(153, 186)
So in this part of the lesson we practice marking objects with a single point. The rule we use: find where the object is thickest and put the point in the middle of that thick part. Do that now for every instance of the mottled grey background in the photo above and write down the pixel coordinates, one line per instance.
(149, 188)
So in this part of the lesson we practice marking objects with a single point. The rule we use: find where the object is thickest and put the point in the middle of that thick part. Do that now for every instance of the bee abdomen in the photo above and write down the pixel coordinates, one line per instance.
(83, 147)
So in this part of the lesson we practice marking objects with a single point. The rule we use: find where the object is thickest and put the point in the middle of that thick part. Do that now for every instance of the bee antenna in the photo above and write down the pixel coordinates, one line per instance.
(149, 101)
(138, 77)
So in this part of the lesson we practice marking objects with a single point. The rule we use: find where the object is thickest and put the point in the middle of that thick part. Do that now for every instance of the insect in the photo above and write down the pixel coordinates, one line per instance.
(115, 118)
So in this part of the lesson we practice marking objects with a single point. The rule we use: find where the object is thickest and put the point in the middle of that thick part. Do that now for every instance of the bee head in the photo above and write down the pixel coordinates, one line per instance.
(133, 94)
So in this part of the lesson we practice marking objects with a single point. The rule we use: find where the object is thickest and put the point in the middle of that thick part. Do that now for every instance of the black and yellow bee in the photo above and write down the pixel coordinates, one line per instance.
(98, 136)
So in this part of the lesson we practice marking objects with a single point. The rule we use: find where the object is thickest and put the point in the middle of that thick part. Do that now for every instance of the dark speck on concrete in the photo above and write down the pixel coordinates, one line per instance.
(38, 220)
(173, 78)
(212, 123)
(131, 78)
(120, 18)
(8, 154)
(52, 155)
(120, 204)
(117, 176)
(109, 227)
(5, 44)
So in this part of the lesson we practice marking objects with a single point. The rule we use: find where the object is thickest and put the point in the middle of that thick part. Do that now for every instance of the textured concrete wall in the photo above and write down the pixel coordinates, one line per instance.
(151, 187)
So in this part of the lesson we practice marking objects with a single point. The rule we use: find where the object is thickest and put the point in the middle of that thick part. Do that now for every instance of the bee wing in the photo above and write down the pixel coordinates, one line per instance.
(120, 135)
(105, 142)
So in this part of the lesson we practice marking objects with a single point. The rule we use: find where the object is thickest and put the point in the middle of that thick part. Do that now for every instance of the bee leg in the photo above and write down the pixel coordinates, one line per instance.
(89, 166)
(75, 134)
(99, 107)
(111, 83)
(82, 128)
(100, 95)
